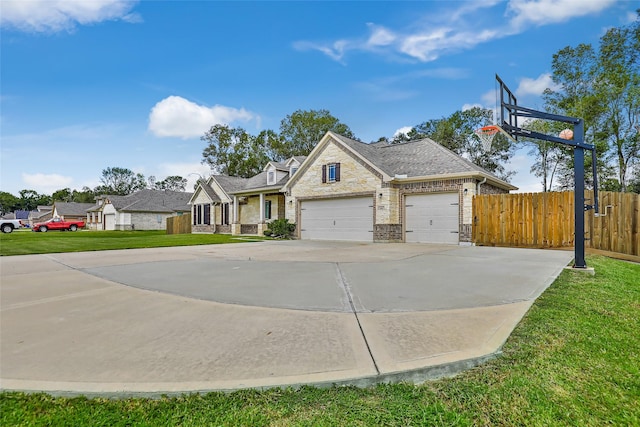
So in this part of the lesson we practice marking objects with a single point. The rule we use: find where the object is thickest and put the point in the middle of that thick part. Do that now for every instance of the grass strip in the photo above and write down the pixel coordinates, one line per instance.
(27, 242)
(573, 360)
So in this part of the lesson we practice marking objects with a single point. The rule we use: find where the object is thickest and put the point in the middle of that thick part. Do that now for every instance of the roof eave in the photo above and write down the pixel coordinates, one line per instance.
(456, 175)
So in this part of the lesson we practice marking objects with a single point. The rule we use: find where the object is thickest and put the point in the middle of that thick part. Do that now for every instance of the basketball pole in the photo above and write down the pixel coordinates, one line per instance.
(578, 194)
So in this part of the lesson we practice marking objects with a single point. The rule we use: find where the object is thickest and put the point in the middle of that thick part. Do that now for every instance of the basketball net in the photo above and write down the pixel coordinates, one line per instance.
(486, 135)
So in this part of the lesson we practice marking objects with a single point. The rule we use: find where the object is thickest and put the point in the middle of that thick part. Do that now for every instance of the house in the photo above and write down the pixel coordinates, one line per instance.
(71, 211)
(226, 204)
(41, 214)
(142, 210)
(417, 191)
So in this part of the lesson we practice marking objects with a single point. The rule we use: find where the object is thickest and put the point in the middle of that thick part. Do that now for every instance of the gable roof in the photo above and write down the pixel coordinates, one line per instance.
(72, 208)
(413, 159)
(156, 201)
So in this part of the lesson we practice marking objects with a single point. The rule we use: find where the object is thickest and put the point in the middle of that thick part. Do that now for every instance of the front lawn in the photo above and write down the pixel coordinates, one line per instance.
(573, 360)
(26, 242)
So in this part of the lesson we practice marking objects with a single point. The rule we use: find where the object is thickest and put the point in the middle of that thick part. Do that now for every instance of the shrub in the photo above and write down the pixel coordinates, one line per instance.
(281, 228)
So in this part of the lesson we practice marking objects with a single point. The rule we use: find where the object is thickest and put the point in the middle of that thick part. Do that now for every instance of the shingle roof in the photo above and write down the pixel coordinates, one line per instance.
(232, 184)
(72, 208)
(423, 157)
(209, 191)
(160, 201)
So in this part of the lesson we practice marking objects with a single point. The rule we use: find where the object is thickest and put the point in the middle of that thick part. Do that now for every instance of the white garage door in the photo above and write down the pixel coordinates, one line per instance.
(110, 222)
(432, 218)
(337, 219)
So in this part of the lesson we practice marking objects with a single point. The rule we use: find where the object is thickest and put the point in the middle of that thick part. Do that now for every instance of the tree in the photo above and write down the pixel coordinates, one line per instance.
(120, 181)
(8, 202)
(456, 133)
(619, 84)
(602, 87)
(30, 199)
(86, 195)
(172, 183)
(302, 130)
(234, 152)
(63, 195)
(549, 156)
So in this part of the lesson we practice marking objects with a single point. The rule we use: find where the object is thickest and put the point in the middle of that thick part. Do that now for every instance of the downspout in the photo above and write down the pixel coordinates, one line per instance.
(478, 185)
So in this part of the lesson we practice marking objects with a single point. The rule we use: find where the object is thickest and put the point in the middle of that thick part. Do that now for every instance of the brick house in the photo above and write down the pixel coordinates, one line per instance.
(417, 191)
(227, 204)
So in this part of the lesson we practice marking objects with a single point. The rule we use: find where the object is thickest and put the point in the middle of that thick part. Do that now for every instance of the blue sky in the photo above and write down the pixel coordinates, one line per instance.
(87, 85)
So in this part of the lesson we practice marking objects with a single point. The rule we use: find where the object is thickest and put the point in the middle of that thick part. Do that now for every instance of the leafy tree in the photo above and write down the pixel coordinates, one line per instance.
(619, 84)
(86, 195)
(120, 181)
(602, 87)
(172, 183)
(302, 130)
(30, 199)
(234, 152)
(8, 202)
(63, 195)
(456, 133)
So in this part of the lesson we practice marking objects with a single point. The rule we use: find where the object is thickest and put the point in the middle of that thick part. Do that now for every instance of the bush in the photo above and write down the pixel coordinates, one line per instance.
(280, 228)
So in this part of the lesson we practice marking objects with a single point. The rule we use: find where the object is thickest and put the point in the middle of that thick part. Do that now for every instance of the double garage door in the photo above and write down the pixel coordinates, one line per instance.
(337, 219)
(429, 218)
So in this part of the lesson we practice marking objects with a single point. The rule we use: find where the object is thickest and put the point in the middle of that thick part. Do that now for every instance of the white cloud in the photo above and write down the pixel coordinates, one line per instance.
(542, 12)
(380, 36)
(63, 15)
(403, 130)
(175, 116)
(536, 86)
(46, 183)
(431, 36)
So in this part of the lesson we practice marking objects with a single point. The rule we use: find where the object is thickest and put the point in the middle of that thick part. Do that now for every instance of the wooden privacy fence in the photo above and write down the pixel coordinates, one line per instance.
(546, 220)
(179, 224)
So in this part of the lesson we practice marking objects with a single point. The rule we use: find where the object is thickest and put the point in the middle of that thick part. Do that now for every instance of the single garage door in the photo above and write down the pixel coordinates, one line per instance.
(110, 221)
(432, 218)
(337, 219)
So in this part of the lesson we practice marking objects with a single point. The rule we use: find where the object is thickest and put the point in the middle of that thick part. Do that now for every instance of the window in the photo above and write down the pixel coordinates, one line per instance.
(271, 177)
(224, 220)
(267, 209)
(202, 214)
(331, 172)
(293, 170)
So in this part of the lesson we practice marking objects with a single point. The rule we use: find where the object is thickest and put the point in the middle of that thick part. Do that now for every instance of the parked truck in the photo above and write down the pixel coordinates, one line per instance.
(57, 224)
(8, 225)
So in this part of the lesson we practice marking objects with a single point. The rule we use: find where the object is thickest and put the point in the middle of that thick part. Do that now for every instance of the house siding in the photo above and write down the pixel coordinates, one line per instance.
(355, 180)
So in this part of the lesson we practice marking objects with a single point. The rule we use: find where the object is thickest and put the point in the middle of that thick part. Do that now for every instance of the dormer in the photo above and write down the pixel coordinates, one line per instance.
(275, 172)
(294, 163)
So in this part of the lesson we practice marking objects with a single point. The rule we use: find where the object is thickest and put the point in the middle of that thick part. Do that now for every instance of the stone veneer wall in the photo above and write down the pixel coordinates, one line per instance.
(203, 228)
(387, 233)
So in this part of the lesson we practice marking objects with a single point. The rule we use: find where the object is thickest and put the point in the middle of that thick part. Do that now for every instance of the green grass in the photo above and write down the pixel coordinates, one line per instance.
(26, 242)
(573, 360)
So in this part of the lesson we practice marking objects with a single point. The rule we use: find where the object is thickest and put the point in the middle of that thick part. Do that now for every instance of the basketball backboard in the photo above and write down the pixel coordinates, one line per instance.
(507, 114)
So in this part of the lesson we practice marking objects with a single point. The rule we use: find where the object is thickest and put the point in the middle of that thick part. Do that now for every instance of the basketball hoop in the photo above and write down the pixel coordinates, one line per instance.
(486, 135)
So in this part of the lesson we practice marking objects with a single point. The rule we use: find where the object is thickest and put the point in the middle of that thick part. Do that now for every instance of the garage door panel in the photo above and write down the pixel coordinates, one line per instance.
(432, 218)
(337, 219)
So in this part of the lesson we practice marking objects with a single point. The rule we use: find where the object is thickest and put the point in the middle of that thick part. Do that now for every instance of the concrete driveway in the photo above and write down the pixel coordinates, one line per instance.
(263, 314)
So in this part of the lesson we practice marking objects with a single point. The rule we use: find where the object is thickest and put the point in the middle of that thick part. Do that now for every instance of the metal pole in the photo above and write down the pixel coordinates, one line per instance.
(578, 164)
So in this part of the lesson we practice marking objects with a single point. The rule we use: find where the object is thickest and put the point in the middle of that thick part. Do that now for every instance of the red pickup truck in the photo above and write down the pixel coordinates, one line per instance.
(57, 224)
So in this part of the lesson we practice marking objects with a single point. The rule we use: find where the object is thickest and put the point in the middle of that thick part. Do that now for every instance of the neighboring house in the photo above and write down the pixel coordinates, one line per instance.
(142, 210)
(71, 211)
(226, 204)
(416, 191)
(41, 214)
